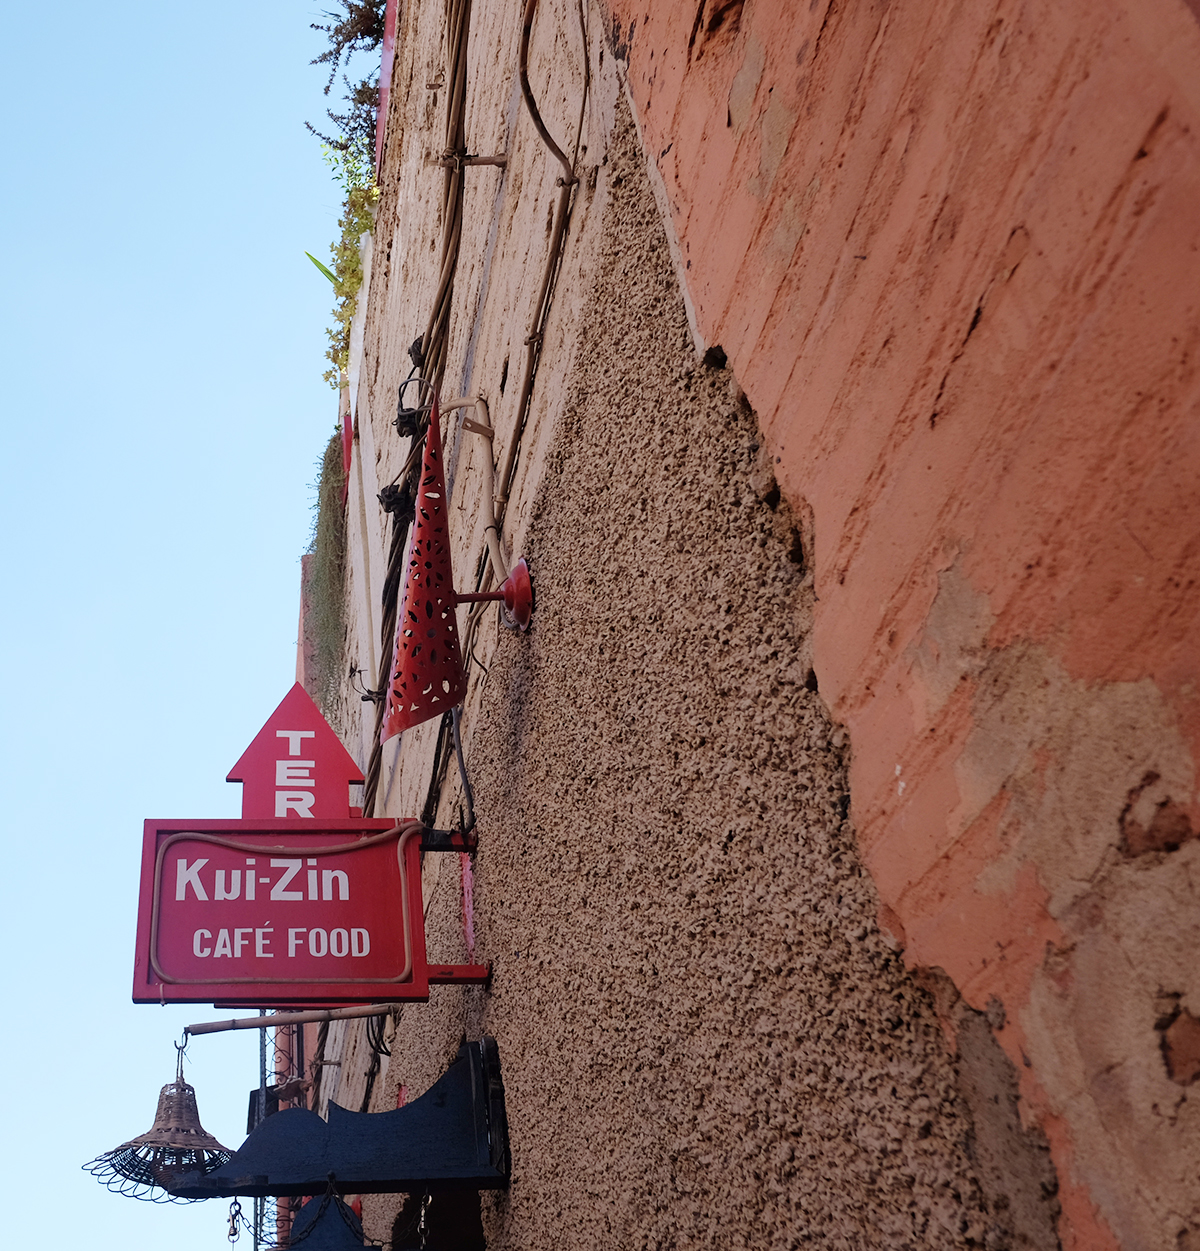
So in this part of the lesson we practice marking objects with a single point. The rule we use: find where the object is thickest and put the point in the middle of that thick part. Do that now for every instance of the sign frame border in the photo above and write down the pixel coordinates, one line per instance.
(150, 987)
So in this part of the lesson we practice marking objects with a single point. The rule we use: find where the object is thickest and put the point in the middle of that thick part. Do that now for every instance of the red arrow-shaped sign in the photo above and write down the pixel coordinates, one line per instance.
(296, 765)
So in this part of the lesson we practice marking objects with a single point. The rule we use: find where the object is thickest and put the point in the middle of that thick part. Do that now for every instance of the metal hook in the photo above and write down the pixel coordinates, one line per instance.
(365, 693)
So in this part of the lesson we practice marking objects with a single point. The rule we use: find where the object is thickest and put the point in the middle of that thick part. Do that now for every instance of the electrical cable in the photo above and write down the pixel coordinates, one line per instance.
(434, 343)
(541, 308)
(533, 342)
(468, 792)
(433, 352)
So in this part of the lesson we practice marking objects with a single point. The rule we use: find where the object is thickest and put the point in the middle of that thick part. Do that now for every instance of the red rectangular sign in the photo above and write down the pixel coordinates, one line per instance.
(256, 912)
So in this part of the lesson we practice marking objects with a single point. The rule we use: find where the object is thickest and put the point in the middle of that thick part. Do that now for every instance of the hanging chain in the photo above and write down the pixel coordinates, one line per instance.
(238, 1222)
(423, 1219)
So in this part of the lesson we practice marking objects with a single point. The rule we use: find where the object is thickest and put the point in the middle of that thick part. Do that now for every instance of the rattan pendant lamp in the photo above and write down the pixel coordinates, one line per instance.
(176, 1143)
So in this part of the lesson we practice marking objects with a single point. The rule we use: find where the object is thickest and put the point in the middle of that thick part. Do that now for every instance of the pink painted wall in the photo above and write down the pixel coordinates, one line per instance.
(952, 251)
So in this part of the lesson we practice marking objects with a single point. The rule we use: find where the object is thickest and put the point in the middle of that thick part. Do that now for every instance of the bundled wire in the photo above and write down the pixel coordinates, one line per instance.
(430, 353)
(398, 501)
(435, 342)
(432, 364)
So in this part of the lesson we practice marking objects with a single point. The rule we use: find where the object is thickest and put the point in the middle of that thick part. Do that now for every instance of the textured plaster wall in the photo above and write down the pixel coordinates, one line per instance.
(706, 1040)
(950, 252)
(953, 254)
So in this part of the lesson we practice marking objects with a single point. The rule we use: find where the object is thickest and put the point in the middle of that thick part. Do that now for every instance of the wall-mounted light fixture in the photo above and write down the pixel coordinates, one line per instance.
(176, 1145)
(428, 677)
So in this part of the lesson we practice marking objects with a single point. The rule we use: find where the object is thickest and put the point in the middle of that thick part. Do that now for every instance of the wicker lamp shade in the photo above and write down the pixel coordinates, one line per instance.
(146, 1166)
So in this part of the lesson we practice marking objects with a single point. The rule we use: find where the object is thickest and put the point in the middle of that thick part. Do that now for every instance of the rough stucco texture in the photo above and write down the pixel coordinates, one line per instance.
(706, 1040)
(953, 254)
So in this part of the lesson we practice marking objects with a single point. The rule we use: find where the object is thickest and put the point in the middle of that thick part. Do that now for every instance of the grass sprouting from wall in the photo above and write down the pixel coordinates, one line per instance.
(358, 218)
(324, 584)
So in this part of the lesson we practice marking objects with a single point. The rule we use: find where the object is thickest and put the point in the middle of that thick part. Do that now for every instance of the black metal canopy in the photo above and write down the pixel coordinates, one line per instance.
(454, 1137)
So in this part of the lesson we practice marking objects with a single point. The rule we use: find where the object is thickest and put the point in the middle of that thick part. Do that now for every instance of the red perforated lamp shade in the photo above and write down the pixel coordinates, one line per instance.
(427, 669)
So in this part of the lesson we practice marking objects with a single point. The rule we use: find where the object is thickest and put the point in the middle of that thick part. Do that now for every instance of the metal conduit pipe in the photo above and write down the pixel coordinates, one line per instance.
(491, 532)
(533, 343)
(527, 92)
(567, 182)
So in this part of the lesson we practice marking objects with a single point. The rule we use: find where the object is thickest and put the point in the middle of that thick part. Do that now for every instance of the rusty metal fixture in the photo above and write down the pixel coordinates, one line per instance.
(175, 1145)
(452, 160)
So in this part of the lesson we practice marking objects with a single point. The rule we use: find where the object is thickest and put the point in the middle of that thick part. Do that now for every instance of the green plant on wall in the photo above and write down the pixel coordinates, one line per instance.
(345, 272)
(327, 272)
(324, 627)
(354, 27)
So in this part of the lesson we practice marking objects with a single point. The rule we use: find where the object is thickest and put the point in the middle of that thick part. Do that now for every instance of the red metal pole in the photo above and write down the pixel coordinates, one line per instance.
(478, 597)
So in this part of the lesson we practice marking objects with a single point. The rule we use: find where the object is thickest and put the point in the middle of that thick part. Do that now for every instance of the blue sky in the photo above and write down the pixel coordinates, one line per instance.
(162, 341)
